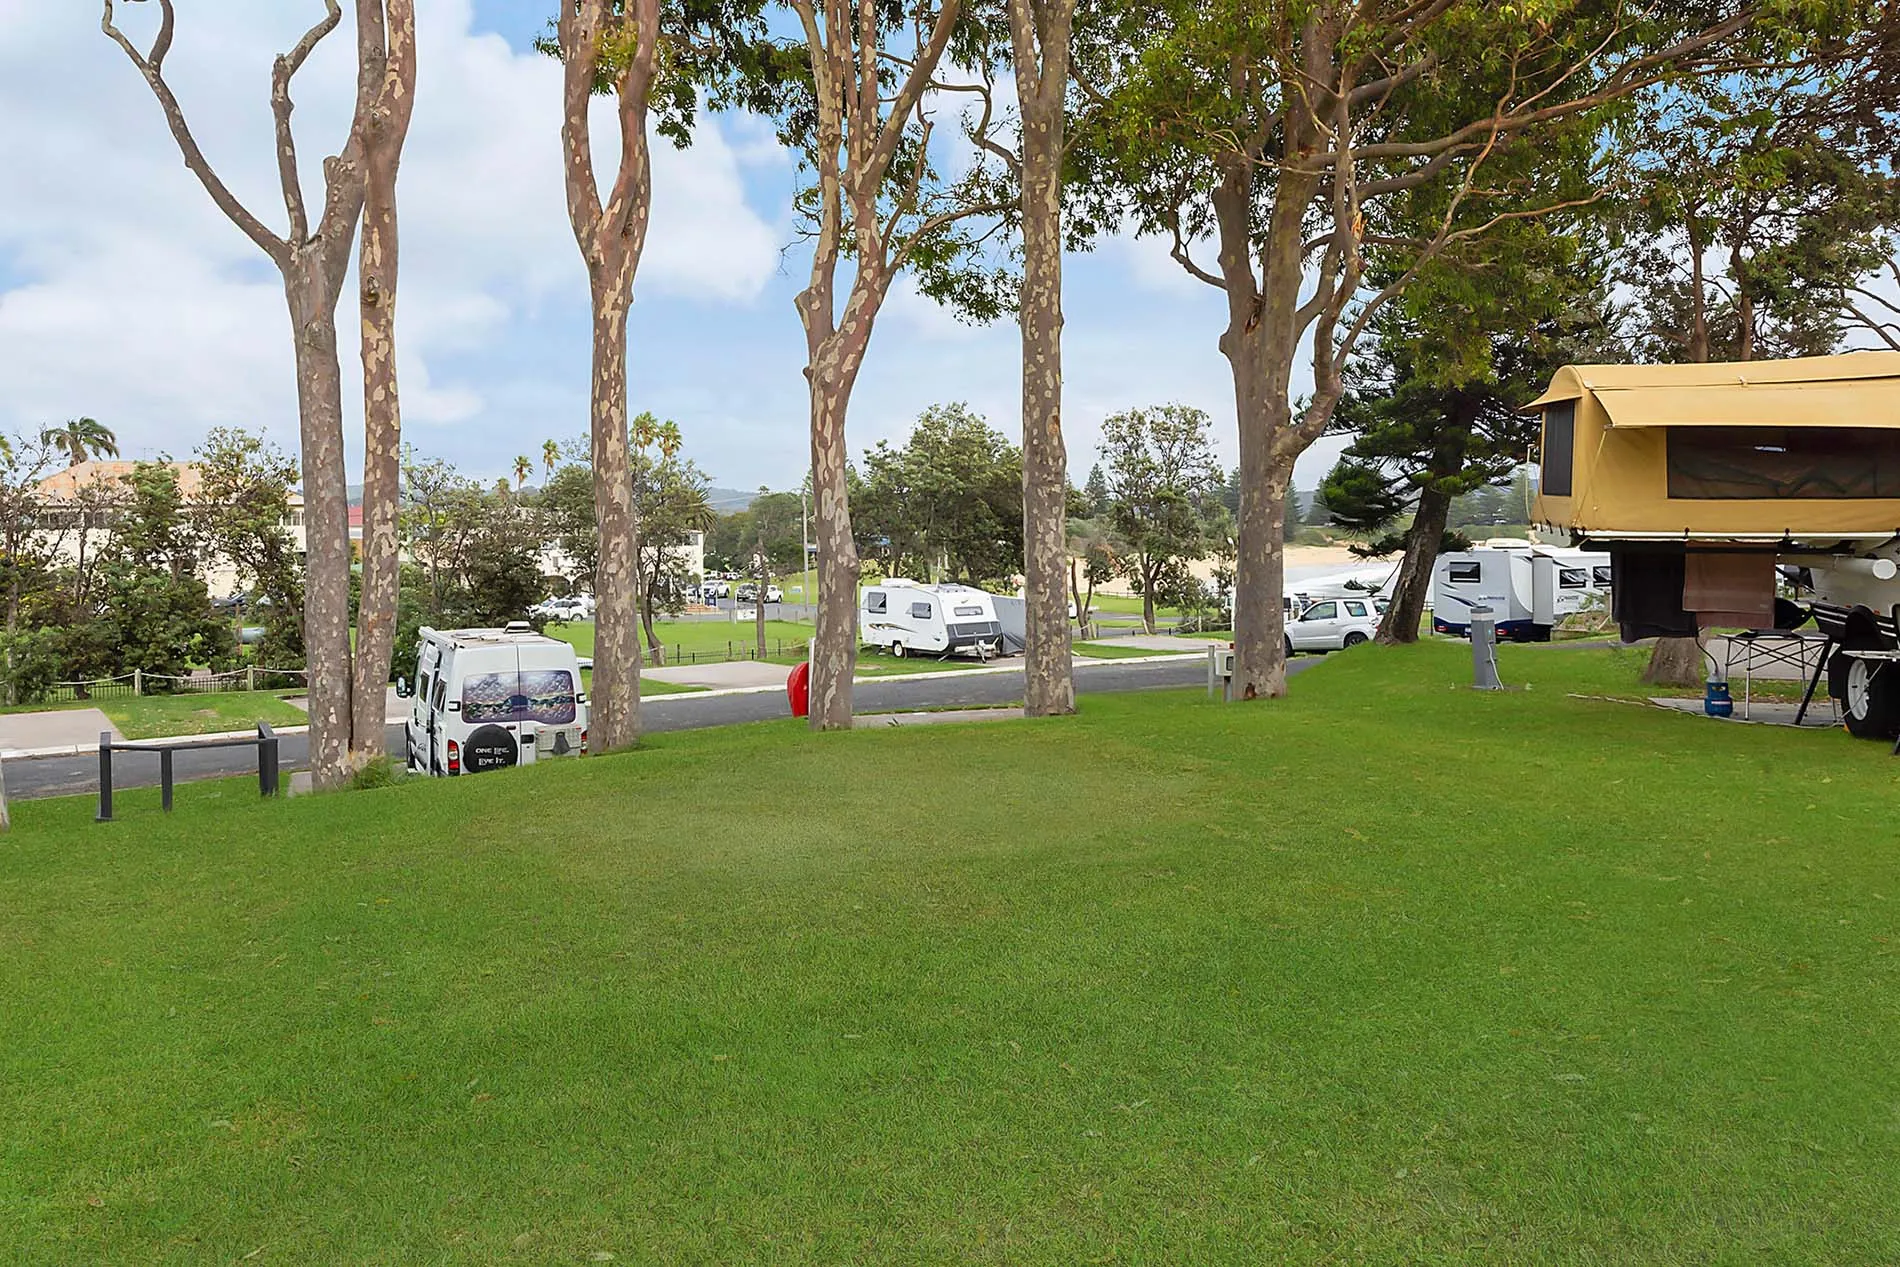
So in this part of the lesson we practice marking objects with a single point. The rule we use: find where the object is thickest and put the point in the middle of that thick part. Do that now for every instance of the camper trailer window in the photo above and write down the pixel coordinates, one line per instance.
(1601, 575)
(1772, 463)
(969, 611)
(920, 611)
(1466, 573)
(1572, 578)
(874, 602)
(1560, 432)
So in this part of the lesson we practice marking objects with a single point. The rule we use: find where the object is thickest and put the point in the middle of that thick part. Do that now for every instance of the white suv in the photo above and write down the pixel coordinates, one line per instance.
(1331, 624)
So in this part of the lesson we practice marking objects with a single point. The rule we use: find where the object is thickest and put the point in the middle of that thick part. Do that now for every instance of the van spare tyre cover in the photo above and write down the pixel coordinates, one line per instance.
(489, 748)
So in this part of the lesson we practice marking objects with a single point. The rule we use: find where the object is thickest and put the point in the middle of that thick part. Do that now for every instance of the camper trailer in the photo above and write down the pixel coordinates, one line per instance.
(1708, 482)
(488, 699)
(908, 618)
(1529, 588)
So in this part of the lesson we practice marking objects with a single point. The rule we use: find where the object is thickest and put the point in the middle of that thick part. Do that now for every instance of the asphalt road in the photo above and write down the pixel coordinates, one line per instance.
(70, 776)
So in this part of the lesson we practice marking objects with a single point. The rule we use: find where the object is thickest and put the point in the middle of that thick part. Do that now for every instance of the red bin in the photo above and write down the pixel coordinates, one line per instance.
(798, 689)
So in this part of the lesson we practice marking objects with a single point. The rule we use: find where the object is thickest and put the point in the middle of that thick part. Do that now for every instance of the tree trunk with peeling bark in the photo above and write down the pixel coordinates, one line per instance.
(1042, 84)
(615, 704)
(611, 237)
(313, 262)
(860, 127)
(834, 658)
(382, 412)
(326, 517)
(1414, 584)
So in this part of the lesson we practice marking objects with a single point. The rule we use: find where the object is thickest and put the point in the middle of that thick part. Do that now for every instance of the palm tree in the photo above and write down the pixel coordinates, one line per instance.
(82, 439)
(667, 434)
(550, 456)
(522, 467)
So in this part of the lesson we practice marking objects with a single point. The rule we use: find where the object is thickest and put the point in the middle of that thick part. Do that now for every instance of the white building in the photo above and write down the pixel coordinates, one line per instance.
(77, 509)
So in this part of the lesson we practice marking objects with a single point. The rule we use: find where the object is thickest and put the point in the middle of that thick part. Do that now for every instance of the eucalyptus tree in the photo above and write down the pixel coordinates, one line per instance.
(1278, 129)
(386, 130)
(313, 259)
(863, 124)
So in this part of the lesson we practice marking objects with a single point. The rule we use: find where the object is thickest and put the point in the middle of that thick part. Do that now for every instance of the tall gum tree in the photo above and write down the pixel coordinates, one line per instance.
(1039, 33)
(392, 25)
(313, 261)
(865, 133)
(1276, 128)
(615, 44)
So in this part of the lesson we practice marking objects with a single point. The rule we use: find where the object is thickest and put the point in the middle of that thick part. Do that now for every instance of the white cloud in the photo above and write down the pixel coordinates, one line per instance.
(126, 295)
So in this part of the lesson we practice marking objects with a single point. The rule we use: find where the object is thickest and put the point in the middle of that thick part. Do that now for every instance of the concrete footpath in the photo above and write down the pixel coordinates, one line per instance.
(55, 728)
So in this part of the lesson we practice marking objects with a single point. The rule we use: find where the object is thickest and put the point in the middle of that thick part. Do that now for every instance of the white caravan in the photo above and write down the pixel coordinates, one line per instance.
(1528, 587)
(487, 699)
(905, 617)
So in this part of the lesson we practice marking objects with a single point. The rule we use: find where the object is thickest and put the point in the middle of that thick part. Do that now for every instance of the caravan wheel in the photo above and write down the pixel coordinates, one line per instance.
(897, 649)
(1872, 700)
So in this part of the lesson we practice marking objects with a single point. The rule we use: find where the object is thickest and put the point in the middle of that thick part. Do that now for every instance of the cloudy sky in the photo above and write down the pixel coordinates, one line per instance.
(125, 295)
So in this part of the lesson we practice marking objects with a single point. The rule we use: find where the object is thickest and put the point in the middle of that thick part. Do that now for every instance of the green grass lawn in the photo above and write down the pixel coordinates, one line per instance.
(160, 716)
(1386, 972)
(1114, 651)
(707, 637)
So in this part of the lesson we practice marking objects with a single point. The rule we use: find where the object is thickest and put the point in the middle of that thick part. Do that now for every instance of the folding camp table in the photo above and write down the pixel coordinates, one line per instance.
(1757, 649)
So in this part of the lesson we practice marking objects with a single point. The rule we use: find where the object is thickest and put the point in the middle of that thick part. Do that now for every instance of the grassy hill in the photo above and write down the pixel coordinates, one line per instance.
(1386, 972)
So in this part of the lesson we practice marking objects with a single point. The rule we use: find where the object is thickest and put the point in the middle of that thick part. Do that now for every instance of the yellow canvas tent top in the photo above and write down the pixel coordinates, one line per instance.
(1734, 451)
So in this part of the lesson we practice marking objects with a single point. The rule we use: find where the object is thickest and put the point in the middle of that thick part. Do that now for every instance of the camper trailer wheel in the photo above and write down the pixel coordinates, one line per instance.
(1354, 639)
(1872, 700)
(897, 649)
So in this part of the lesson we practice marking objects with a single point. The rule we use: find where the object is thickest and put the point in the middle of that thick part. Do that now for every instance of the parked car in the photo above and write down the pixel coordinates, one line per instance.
(773, 594)
(714, 590)
(1332, 624)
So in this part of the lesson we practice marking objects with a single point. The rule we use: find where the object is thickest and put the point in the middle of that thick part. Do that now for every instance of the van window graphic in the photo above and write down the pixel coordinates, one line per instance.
(538, 695)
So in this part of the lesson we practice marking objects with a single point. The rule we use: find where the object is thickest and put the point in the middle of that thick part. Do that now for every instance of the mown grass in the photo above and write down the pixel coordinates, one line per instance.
(1113, 651)
(1389, 971)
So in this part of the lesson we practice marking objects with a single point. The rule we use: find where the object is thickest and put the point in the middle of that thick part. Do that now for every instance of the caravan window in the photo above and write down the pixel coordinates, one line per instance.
(920, 611)
(969, 611)
(543, 695)
(1560, 442)
(1601, 575)
(441, 694)
(1572, 578)
(1465, 573)
(1772, 463)
(874, 602)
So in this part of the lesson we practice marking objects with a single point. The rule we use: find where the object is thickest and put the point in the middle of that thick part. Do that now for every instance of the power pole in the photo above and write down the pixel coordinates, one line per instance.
(758, 600)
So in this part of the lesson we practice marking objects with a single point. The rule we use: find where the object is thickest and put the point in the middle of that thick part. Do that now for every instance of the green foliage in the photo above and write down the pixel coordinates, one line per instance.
(949, 501)
(1164, 500)
(82, 439)
(734, 539)
(1756, 204)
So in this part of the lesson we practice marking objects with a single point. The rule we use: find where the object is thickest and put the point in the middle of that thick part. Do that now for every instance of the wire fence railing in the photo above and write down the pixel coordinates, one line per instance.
(139, 683)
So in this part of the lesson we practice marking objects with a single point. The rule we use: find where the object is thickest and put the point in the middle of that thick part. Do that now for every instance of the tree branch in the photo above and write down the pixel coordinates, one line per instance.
(151, 68)
(286, 66)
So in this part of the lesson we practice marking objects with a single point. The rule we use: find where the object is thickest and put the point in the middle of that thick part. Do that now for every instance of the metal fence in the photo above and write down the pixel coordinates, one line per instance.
(139, 683)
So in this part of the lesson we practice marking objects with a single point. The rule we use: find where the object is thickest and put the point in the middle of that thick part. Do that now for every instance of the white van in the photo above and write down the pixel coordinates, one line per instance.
(903, 616)
(487, 699)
